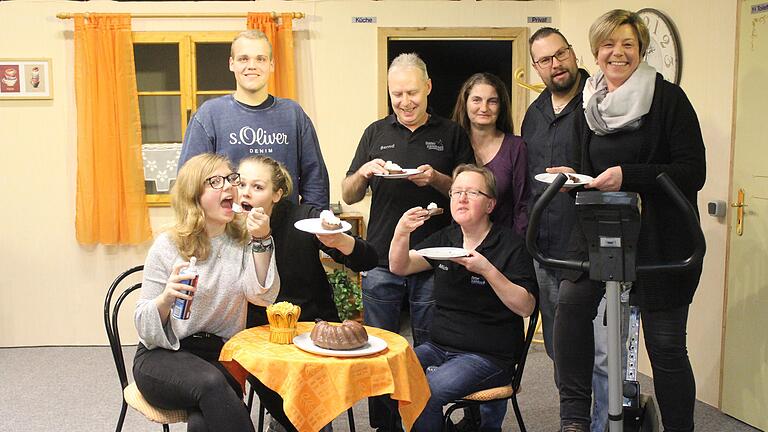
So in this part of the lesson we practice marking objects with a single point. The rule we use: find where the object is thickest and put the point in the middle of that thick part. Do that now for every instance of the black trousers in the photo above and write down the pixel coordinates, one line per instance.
(665, 340)
(383, 414)
(272, 401)
(193, 379)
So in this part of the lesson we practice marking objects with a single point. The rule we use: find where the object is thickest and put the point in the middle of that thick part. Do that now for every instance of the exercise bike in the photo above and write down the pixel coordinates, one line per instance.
(611, 224)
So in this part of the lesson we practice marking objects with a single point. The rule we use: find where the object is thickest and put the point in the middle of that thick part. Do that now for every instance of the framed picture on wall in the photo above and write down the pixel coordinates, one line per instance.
(26, 79)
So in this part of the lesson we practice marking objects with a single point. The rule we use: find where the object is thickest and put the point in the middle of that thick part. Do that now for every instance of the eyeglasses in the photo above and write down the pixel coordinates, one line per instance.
(217, 181)
(471, 194)
(560, 55)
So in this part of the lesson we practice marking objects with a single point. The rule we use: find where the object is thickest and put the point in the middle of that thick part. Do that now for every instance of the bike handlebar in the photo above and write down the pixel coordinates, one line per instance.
(532, 234)
(666, 184)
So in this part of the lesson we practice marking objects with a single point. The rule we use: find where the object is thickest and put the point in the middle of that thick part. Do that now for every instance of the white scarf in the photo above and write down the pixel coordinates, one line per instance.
(623, 108)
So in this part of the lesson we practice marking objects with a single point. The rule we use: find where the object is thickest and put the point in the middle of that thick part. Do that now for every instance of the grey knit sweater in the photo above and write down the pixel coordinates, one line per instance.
(226, 284)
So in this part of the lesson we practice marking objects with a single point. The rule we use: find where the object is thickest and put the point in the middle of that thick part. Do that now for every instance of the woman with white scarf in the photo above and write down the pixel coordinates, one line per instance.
(639, 126)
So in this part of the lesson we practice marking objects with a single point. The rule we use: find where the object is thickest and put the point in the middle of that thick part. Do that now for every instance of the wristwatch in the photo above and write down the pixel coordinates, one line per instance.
(262, 245)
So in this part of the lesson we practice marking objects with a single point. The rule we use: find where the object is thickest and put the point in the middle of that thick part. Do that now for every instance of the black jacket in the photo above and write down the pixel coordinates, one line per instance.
(671, 142)
(303, 280)
(553, 140)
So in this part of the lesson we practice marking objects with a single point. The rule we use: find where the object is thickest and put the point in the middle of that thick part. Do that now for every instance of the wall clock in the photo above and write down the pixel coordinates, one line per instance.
(664, 52)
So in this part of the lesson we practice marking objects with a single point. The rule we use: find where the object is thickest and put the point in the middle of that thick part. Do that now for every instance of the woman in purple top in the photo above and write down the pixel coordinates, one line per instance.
(483, 109)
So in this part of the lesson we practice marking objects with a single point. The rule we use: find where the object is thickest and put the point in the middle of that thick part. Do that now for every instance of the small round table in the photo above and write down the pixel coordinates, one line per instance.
(315, 388)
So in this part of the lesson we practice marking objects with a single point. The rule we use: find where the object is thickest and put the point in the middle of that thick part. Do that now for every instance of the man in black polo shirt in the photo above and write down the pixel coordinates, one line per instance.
(412, 138)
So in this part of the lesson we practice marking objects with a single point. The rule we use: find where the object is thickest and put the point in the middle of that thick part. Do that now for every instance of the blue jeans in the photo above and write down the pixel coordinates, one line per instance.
(548, 294)
(600, 369)
(383, 295)
(600, 372)
(548, 289)
(492, 415)
(455, 375)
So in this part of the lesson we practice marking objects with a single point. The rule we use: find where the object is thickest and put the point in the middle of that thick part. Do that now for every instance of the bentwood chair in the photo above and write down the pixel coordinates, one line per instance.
(509, 391)
(131, 394)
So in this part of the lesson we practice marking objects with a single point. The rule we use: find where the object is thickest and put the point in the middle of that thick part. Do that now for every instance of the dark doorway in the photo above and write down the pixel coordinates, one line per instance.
(451, 62)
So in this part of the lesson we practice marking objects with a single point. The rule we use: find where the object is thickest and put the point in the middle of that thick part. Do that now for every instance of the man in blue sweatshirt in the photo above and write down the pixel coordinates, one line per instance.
(252, 122)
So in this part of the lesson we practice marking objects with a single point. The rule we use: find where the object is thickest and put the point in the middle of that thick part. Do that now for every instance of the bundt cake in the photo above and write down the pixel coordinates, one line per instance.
(346, 336)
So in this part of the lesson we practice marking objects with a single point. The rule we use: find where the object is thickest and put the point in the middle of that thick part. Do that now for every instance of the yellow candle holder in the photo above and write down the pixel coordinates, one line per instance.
(282, 317)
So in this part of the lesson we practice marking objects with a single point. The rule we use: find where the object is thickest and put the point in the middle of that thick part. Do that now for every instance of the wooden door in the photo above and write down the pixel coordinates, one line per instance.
(745, 351)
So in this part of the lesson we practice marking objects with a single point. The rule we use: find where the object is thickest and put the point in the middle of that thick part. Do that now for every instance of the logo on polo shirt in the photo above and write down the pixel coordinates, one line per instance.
(387, 147)
(442, 267)
(435, 145)
(477, 280)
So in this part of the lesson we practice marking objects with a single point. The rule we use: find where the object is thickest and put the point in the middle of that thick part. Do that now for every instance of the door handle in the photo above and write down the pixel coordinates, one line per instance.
(739, 205)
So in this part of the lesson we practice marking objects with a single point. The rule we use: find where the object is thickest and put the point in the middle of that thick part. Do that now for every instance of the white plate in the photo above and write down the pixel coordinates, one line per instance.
(443, 253)
(407, 172)
(313, 226)
(374, 345)
(549, 178)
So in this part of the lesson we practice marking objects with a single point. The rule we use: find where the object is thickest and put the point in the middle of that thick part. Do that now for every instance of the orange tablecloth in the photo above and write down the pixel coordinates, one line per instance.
(316, 389)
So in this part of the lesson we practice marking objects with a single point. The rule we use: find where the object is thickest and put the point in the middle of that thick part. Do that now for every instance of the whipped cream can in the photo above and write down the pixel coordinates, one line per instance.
(183, 307)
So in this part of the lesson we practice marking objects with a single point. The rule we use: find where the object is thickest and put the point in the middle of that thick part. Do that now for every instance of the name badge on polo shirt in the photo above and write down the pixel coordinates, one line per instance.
(477, 280)
(435, 145)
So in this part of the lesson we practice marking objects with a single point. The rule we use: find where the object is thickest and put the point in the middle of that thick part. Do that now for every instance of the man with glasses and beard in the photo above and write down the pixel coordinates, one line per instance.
(552, 129)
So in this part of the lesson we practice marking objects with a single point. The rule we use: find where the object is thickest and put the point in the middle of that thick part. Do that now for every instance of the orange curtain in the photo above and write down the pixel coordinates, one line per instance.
(111, 207)
(282, 82)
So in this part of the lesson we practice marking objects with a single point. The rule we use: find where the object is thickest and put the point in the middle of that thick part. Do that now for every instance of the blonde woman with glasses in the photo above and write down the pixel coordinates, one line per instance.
(176, 364)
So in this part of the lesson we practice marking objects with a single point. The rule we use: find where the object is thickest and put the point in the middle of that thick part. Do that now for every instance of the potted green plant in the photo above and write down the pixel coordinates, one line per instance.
(347, 295)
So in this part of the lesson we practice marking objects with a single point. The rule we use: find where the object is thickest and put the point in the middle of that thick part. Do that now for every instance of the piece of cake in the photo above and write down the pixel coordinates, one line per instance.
(393, 168)
(282, 317)
(345, 336)
(434, 210)
(329, 221)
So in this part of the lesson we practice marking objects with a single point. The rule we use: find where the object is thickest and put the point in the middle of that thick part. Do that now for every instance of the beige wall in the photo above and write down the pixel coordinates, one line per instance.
(337, 87)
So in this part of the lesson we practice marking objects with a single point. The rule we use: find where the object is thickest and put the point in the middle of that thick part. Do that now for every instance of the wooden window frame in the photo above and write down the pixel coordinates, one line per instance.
(187, 78)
